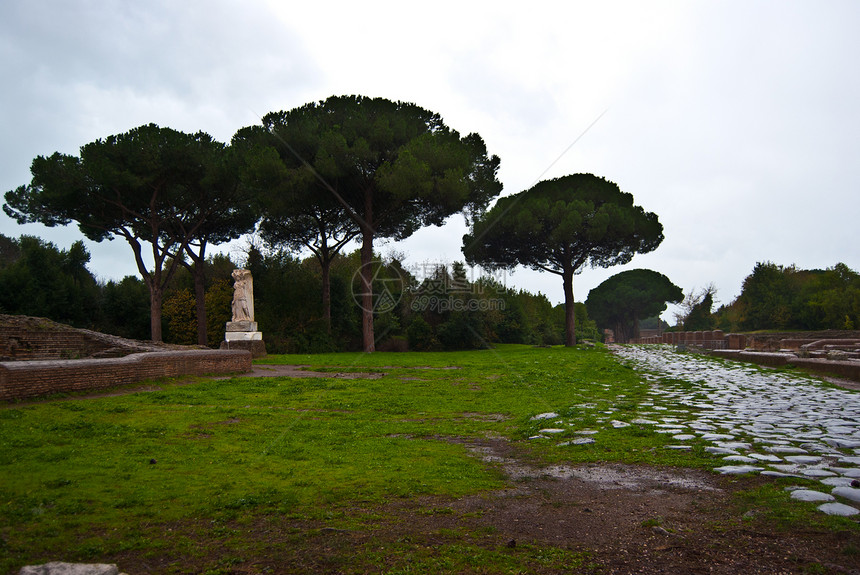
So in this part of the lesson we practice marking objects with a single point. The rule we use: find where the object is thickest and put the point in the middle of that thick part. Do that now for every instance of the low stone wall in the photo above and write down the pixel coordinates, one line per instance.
(761, 358)
(716, 339)
(798, 339)
(25, 379)
(845, 369)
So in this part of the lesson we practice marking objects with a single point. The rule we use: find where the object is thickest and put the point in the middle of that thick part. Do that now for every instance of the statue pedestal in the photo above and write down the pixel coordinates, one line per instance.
(244, 335)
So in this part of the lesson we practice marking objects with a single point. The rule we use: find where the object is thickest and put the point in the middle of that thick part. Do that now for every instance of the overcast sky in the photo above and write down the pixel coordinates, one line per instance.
(737, 122)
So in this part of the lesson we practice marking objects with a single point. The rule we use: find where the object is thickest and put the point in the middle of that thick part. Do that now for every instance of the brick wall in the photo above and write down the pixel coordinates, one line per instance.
(23, 379)
(19, 343)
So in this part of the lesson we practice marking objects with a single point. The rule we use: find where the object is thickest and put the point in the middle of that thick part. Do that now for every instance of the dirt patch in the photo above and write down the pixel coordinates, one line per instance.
(627, 518)
(630, 518)
(592, 505)
(488, 417)
(644, 519)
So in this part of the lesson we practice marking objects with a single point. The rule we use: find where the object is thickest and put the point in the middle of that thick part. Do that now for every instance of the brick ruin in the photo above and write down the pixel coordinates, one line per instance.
(40, 357)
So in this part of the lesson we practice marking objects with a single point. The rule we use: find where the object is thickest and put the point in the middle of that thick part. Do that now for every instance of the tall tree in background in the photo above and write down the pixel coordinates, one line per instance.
(701, 317)
(297, 213)
(695, 308)
(144, 186)
(559, 226)
(39, 279)
(125, 308)
(220, 209)
(765, 299)
(394, 167)
(625, 298)
(10, 250)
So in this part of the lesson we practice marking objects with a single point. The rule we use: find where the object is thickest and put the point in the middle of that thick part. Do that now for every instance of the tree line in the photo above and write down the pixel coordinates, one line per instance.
(773, 297)
(776, 297)
(316, 177)
(437, 307)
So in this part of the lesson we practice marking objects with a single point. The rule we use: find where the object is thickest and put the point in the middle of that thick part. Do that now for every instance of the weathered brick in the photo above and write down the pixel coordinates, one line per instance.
(23, 379)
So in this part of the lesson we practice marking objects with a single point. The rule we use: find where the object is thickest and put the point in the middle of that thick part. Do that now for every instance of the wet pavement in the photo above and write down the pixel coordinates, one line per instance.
(758, 421)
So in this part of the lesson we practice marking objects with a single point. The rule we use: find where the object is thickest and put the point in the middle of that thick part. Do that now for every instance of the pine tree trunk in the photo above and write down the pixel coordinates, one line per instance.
(367, 291)
(569, 310)
(326, 293)
(155, 299)
(200, 303)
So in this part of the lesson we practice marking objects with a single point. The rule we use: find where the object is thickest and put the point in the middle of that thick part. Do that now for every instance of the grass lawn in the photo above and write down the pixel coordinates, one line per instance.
(197, 471)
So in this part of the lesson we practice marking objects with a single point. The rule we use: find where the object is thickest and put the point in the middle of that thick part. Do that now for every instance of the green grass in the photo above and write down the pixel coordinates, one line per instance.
(156, 472)
(772, 503)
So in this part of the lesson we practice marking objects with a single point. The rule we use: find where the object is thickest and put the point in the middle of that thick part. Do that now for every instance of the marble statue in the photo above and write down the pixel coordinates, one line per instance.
(243, 296)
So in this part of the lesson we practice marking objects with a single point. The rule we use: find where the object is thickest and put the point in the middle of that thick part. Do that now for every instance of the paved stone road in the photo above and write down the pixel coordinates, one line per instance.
(758, 421)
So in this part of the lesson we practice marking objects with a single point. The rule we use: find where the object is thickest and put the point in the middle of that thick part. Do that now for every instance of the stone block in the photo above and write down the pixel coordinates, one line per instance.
(59, 568)
(241, 326)
(764, 358)
(243, 336)
(727, 353)
(848, 369)
(257, 347)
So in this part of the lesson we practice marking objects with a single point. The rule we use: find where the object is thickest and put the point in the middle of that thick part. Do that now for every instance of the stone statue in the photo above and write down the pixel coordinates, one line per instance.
(241, 333)
(243, 296)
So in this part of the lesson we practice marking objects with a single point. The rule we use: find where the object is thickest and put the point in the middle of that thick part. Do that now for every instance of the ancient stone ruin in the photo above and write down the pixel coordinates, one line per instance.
(40, 357)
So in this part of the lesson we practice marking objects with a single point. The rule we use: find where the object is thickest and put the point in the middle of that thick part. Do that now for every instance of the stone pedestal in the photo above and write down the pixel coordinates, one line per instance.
(244, 335)
(737, 341)
(257, 347)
